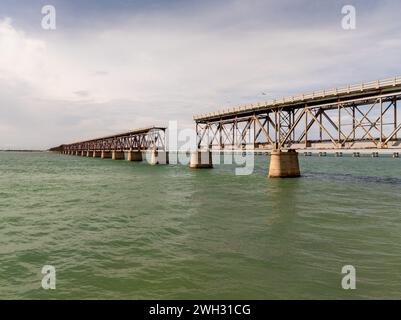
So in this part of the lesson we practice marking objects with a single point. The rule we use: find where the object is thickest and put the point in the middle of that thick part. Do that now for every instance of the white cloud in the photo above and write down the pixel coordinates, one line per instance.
(60, 86)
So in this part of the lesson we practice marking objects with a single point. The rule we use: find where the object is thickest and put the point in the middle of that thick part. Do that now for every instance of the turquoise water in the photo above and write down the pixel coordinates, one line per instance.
(121, 230)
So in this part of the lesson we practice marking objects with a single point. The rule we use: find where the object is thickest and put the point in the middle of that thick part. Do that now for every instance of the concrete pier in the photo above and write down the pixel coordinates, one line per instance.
(89, 153)
(201, 159)
(117, 155)
(106, 155)
(158, 157)
(97, 154)
(83, 153)
(284, 164)
(134, 155)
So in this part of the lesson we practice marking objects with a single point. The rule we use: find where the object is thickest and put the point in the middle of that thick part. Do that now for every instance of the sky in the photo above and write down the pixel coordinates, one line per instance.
(112, 66)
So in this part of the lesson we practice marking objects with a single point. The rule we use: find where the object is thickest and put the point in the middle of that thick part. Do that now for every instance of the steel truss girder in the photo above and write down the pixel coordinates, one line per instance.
(357, 123)
(154, 139)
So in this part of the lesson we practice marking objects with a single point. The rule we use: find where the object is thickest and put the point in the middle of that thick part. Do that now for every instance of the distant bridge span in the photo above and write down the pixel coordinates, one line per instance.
(118, 146)
(140, 139)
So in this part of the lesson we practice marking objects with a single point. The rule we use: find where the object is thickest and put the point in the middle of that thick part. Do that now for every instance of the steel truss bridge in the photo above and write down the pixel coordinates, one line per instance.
(352, 117)
(151, 138)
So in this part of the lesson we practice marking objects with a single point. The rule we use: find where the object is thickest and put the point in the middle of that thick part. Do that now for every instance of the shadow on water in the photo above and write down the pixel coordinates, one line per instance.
(347, 177)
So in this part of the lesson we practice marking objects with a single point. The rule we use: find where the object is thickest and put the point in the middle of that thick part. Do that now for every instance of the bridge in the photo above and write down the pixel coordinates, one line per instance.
(360, 116)
(126, 145)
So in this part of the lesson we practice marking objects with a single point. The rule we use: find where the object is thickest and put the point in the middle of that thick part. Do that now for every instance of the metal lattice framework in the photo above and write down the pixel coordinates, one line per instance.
(356, 116)
(152, 138)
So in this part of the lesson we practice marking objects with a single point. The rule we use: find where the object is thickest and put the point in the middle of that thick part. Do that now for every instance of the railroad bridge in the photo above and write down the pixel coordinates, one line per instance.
(361, 116)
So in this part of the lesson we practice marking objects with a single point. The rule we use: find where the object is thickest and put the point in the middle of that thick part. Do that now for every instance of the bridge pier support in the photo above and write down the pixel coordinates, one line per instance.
(106, 155)
(284, 164)
(117, 155)
(134, 155)
(158, 157)
(83, 153)
(201, 159)
(89, 153)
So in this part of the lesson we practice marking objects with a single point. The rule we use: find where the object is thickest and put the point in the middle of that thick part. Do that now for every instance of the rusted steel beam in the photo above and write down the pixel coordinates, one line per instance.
(151, 138)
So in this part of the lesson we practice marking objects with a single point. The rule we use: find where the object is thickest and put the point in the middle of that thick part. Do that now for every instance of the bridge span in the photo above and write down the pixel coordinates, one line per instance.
(126, 145)
(360, 116)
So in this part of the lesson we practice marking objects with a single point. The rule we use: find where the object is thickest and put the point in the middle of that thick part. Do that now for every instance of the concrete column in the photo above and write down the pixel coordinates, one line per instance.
(76, 153)
(106, 155)
(117, 155)
(284, 164)
(83, 153)
(88, 153)
(201, 159)
(158, 157)
(134, 156)
(97, 154)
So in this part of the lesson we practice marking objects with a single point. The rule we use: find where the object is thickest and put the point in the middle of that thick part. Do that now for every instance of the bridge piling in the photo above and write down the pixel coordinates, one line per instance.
(284, 164)
(134, 155)
(201, 160)
(158, 157)
(117, 155)
(106, 154)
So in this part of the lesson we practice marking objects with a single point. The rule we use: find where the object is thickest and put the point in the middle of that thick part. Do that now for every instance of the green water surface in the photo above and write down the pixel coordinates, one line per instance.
(123, 230)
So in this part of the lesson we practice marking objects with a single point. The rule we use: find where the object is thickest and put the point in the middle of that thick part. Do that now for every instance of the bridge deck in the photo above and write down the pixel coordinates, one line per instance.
(349, 92)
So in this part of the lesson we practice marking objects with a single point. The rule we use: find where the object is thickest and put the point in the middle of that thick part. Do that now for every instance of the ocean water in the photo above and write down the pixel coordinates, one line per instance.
(121, 230)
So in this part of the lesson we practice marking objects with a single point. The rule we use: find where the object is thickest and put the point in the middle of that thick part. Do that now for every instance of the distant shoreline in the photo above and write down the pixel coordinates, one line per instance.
(22, 150)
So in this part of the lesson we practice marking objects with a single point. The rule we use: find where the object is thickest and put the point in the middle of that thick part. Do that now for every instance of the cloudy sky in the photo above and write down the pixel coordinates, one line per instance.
(116, 65)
